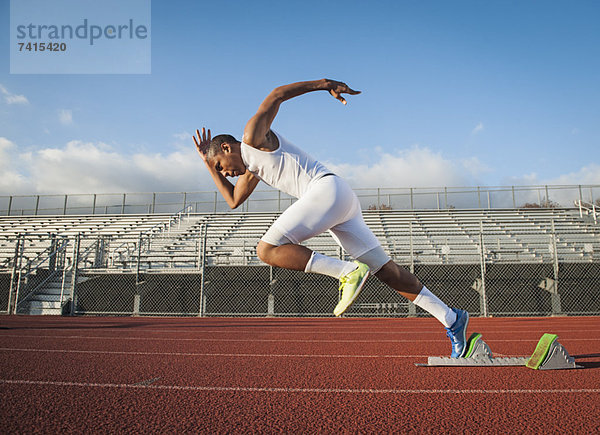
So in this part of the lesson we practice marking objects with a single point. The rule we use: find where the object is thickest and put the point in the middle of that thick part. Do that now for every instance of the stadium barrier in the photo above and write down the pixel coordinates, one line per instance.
(270, 200)
(208, 269)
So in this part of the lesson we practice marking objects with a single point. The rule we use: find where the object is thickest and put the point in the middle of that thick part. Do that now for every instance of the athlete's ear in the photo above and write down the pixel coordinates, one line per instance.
(225, 147)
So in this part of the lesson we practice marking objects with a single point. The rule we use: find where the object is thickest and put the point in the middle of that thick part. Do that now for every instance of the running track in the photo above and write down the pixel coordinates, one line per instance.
(215, 375)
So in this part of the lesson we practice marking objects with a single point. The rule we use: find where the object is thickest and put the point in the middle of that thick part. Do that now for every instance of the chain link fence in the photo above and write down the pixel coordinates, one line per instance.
(209, 268)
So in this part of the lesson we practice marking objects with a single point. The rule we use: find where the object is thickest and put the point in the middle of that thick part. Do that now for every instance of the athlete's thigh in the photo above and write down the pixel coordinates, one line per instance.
(321, 208)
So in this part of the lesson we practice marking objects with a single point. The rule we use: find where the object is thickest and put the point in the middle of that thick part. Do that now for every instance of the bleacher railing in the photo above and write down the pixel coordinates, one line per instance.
(588, 209)
(414, 198)
(491, 269)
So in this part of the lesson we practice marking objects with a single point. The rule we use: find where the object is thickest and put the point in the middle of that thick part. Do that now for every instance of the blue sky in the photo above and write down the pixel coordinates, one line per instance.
(454, 93)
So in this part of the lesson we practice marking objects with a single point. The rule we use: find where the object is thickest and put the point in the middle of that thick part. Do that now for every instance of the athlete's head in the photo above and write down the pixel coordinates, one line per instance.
(225, 156)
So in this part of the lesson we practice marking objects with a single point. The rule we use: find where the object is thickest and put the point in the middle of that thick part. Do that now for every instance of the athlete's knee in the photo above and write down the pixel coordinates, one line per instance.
(264, 251)
(376, 258)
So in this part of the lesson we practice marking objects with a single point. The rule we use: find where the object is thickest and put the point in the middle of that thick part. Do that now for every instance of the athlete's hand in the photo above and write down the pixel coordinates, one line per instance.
(336, 89)
(202, 143)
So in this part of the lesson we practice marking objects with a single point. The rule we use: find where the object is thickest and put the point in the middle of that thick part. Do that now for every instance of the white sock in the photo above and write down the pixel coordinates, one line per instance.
(434, 306)
(319, 263)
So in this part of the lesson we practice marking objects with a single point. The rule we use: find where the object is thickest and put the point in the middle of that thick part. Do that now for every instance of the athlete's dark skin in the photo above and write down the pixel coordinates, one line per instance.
(257, 133)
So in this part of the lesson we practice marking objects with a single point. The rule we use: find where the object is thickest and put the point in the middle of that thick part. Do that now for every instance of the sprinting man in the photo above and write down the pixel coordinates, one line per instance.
(325, 202)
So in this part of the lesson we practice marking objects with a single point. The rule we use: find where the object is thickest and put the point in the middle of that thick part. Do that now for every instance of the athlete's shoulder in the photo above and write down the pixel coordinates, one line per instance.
(269, 143)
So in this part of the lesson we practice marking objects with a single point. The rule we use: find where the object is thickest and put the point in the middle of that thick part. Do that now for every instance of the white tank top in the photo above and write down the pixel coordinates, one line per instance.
(288, 168)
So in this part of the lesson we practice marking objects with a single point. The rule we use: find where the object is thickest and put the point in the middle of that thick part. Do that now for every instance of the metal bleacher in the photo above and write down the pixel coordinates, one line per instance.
(452, 236)
(447, 236)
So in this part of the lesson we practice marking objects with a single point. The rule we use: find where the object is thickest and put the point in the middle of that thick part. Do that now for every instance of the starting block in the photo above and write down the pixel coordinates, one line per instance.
(549, 354)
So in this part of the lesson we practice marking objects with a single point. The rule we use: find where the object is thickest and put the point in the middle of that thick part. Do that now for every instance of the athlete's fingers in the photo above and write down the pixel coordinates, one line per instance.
(209, 134)
(340, 98)
(352, 91)
(337, 96)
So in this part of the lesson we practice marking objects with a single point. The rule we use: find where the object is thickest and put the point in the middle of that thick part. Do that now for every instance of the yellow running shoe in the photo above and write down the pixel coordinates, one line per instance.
(350, 285)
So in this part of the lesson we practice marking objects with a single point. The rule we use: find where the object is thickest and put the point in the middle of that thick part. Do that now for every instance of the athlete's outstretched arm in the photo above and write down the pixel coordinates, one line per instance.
(234, 194)
(259, 125)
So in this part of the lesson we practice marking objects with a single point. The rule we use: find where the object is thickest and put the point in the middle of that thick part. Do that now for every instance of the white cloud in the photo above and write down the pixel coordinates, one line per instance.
(11, 98)
(95, 167)
(184, 135)
(6, 147)
(86, 167)
(478, 129)
(65, 116)
(565, 195)
(414, 167)
(589, 174)
(10, 179)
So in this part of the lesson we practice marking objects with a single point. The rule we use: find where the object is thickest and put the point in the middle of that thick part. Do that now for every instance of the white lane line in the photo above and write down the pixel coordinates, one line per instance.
(323, 330)
(292, 340)
(298, 390)
(229, 355)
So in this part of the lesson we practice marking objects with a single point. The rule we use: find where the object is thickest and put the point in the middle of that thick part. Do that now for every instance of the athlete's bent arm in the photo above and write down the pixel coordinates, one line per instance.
(255, 133)
(234, 194)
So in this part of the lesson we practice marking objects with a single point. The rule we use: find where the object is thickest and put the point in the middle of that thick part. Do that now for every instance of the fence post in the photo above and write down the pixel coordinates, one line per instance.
(513, 196)
(547, 197)
(136, 296)
(37, 204)
(139, 260)
(201, 308)
(9, 205)
(479, 196)
(13, 275)
(412, 203)
(153, 202)
(94, 204)
(123, 204)
(18, 272)
(271, 296)
(74, 274)
(65, 205)
(412, 308)
(52, 259)
(445, 197)
(552, 285)
(184, 199)
(580, 194)
(483, 295)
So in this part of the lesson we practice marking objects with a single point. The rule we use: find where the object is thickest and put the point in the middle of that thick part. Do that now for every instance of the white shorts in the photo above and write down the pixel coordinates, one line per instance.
(329, 204)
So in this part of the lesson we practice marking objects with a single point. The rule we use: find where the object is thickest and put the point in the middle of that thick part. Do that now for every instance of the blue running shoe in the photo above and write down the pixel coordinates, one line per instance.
(458, 332)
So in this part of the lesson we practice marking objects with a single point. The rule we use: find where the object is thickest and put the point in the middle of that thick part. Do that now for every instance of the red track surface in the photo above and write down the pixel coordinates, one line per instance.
(311, 375)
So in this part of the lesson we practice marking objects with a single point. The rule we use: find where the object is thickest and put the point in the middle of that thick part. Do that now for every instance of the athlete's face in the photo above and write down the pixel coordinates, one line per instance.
(229, 162)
